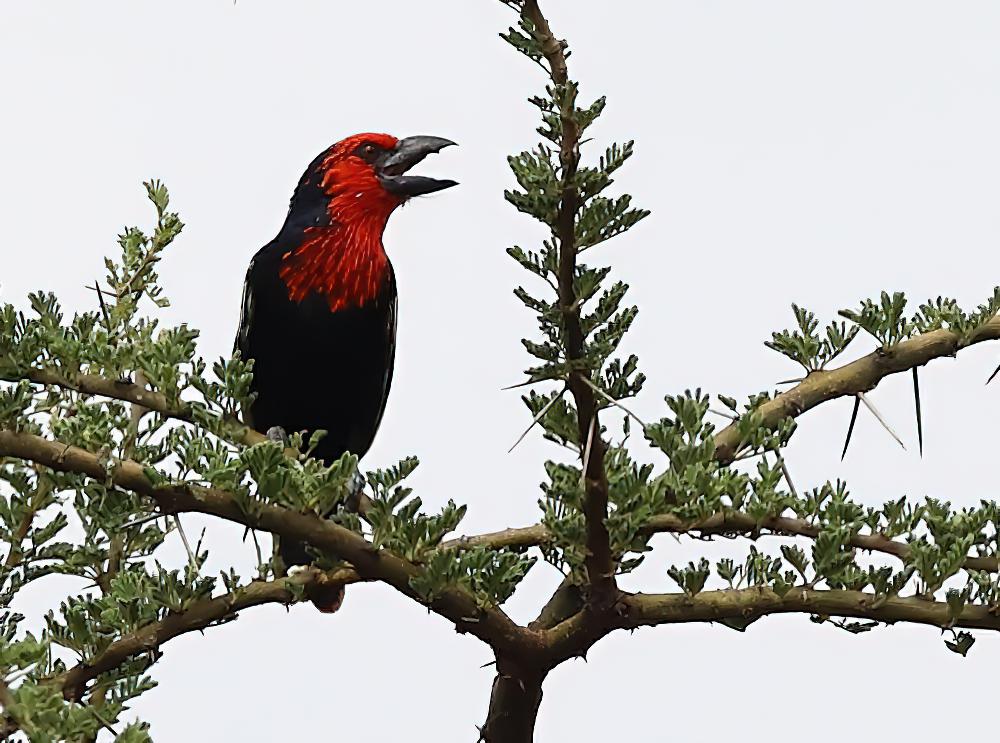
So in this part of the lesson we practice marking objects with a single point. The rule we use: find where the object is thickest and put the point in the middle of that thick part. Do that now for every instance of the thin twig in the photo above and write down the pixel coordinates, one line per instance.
(256, 546)
(104, 308)
(192, 558)
(8, 725)
(20, 674)
(788, 477)
(104, 723)
(142, 520)
(147, 261)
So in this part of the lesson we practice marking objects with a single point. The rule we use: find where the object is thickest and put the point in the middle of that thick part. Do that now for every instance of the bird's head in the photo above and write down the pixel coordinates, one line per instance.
(365, 175)
(333, 234)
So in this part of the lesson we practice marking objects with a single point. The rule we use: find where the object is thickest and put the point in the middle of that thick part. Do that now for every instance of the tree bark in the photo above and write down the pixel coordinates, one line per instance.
(514, 702)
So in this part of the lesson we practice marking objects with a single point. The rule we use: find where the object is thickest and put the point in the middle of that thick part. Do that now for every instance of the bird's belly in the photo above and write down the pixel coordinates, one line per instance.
(329, 374)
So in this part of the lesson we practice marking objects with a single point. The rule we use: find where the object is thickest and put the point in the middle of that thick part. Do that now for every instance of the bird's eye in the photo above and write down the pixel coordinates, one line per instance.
(367, 152)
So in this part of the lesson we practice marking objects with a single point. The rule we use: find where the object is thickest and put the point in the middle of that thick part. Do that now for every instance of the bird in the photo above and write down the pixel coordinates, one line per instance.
(319, 308)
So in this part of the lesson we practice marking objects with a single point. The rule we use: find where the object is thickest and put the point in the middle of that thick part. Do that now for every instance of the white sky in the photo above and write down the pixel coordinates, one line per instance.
(790, 151)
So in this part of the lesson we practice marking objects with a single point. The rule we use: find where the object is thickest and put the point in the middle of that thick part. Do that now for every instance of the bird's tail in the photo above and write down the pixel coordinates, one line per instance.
(327, 597)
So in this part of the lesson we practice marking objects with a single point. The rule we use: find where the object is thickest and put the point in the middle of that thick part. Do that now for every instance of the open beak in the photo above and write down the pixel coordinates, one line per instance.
(407, 153)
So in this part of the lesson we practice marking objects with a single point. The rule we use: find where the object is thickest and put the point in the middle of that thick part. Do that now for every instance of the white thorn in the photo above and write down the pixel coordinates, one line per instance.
(538, 417)
(727, 416)
(881, 420)
(586, 451)
(613, 401)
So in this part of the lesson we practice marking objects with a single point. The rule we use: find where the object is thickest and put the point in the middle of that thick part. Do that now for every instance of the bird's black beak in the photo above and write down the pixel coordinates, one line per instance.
(407, 153)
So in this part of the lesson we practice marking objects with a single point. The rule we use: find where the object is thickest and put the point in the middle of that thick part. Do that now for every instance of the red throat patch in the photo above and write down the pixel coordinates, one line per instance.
(346, 268)
(345, 261)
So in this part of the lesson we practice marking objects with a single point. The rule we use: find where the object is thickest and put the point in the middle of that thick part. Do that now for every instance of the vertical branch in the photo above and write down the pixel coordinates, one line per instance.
(564, 603)
(514, 702)
(599, 561)
(116, 547)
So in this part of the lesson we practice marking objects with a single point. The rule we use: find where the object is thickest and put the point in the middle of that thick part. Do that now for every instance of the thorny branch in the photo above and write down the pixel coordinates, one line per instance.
(727, 523)
(574, 636)
(147, 400)
(201, 615)
(861, 375)
(491, 625)
(575, 617)
(560, 632)
(136, 394)
(599, 561)
(857, 377)
(116, 546)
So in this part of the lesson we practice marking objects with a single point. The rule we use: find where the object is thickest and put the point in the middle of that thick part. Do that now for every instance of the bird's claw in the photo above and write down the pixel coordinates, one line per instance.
(355, 488)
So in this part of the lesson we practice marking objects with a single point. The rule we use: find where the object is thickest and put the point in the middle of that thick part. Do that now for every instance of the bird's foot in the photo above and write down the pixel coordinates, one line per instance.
(355, 489)
(277, 435)
(296, 570)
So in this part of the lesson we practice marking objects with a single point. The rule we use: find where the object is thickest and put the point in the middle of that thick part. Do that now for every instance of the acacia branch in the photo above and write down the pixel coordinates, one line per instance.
(199, 616)
(522, 536)
(564, 602)
(722, 523)
(574, 636)
(599, 562)
(149, 638)
(855, 378)
(143, 398)
(136, 394)
(861, 375)
(490, 625)
(514, 702)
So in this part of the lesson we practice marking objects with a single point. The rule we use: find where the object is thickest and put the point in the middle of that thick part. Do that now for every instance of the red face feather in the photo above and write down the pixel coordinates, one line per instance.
(345, 261)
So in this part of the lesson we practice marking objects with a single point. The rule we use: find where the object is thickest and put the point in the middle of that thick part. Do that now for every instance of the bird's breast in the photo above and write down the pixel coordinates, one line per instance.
(346, 265)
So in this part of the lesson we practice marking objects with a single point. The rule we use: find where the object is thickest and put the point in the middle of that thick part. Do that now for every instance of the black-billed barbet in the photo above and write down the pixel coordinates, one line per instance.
(319, 303)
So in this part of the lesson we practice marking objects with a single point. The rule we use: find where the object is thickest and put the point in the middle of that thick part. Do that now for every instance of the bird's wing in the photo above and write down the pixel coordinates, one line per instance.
(242, 342)
(246, 316)
(390, 341)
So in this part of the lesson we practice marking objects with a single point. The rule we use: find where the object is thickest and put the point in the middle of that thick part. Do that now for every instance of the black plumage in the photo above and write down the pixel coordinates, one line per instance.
(319, 303)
